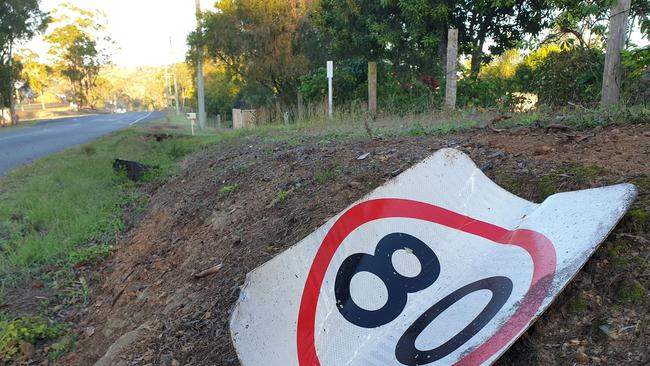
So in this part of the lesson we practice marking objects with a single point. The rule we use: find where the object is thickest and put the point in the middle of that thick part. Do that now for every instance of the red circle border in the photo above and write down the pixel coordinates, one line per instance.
(537, 245)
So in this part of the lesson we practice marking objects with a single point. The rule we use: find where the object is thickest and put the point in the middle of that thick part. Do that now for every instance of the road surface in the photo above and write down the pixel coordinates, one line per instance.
(22, 145)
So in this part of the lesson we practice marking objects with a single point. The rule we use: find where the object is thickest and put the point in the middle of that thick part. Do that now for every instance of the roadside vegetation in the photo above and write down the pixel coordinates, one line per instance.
(67, 210)
(61, 215)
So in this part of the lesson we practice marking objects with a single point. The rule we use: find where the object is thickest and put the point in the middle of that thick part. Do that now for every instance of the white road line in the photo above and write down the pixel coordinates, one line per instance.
(140, 119)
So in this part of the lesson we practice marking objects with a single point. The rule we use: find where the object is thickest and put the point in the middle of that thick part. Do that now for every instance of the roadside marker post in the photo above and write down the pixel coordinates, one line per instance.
(192, 118)
(330, 76)
(439, 266)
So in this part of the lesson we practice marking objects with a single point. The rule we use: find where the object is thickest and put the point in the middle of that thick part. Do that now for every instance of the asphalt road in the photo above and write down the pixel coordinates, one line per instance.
(21, 145)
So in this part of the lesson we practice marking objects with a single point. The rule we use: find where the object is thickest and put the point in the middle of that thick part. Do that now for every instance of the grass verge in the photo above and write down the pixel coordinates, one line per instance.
(67, 209)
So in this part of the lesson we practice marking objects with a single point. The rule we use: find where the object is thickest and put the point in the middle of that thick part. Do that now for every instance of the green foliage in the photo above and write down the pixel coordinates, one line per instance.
(8, 75)
(64, 345)
(282, 196)
(24, 329)
(325, 176)
(580, 24)
(411, 34)
(632, 292)
(525, 73)
(568, 76)
(228, 189)
(221, 91)
(88, 254)
(637, 220)
(485, 91)
(394, 95)
(494, 85)
(417, 130)
(20, 20)
(68, 207)
(79, 57)
(636, 85)
(258, 40)
(407, 33)
(350, 81)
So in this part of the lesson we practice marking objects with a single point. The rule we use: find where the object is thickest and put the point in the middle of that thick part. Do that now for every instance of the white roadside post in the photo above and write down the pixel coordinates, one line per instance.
(330, 76)
(192, 118)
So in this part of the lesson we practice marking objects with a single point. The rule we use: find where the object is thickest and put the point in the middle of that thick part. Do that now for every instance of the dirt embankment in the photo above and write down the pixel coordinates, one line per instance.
(240, 203)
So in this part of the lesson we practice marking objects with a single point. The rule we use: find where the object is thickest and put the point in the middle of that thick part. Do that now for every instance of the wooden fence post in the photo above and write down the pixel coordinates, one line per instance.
(613, 74)
(452, 60)
(301, 107)
(372, 87)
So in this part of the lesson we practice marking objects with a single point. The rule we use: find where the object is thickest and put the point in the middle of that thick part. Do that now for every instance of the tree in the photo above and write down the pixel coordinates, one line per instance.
(259, 41)
(505, 22)
(35, 73)
(19, 20)
(411, 34)
(75, 47)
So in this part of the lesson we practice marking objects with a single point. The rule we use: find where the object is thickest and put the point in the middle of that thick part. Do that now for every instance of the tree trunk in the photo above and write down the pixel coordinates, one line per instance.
(476, 62)
(613, 72)
(12, 98)
(477, 51)
(12, 105)
(42, 100)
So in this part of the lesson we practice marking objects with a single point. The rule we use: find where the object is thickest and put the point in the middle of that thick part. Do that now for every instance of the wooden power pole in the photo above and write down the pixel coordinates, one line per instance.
(178, 112)
(199, 68)
(613, 73)
(452, 60)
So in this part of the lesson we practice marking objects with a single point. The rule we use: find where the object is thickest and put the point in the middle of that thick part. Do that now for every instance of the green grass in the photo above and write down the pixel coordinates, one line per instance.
(325, 176)
(228, 189)
(282, 196)
(68, 208)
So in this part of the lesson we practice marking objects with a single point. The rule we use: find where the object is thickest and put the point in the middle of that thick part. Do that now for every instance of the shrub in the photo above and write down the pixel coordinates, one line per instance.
(636, 85)
(485, 91)
(568, 76)
(24, 329)
(395, 93)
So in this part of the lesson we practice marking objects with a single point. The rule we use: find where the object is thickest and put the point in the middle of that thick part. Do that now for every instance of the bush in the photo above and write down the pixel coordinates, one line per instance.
(636, 85)
(485, 91)
(350, 83)
(395, 94)
(24, 329)
(568, 76)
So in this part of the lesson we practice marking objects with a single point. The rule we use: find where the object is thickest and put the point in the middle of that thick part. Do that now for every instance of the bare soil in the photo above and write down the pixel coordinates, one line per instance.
(146, 289)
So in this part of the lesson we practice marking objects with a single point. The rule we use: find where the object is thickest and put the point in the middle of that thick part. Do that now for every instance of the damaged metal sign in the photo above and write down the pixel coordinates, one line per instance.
(439, 266)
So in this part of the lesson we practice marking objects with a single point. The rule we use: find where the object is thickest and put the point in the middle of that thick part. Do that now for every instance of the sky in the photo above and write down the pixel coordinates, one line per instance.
(140, 28)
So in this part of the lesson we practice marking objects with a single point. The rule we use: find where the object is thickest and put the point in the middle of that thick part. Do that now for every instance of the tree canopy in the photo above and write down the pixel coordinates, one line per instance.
(19, 20)
(259, 40)
(75, 47)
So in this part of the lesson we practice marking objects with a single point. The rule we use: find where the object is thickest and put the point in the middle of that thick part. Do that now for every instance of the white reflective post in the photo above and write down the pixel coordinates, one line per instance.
(330, 76)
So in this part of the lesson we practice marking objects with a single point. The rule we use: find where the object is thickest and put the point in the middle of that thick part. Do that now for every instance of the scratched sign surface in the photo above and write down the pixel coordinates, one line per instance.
(439, 266)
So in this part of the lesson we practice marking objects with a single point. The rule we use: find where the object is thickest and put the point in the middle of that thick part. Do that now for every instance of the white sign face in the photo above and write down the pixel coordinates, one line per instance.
(330, 69)
(437, 267)
(191, 116)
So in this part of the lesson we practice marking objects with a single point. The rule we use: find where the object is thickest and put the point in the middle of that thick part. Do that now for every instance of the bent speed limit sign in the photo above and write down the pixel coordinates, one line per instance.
(439, 266)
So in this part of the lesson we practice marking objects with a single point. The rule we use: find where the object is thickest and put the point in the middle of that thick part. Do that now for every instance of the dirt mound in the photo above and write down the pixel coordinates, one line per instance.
(242, 202)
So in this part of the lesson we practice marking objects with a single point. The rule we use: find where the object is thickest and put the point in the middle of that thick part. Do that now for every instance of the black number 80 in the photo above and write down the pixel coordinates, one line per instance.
(399, 286)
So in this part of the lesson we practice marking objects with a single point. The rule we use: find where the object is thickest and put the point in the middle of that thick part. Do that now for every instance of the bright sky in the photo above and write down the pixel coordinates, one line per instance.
(141, 28)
